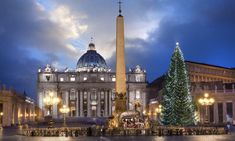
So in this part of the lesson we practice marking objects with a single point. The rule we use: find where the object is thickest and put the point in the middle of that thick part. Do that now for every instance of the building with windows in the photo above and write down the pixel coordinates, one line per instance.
(223, 109)
(201, 72)
(16, 108)
(89, 91)
(217, 81)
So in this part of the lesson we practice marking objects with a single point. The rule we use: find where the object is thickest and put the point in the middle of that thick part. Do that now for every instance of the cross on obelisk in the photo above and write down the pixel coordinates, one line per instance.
(120, 7)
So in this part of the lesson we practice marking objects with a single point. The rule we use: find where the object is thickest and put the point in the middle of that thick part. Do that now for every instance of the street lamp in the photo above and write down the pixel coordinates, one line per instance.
(158, 110)
(1, 119)
(206, 101)
(49, 101)
(64, 110)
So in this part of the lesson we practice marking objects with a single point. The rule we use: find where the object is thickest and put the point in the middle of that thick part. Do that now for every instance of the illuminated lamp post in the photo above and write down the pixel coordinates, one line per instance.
(158, 111)
(64, 110)
(49, 101)
(206, 101)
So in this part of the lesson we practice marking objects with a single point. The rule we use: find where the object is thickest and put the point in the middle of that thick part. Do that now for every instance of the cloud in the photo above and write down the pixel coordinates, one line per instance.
(67, 22)
(205, 32)
(140, 20)
(30, 39)
(34, 33)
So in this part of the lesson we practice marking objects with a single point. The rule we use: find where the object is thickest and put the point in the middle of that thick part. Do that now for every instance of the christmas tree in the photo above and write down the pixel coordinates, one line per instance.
(178, 108)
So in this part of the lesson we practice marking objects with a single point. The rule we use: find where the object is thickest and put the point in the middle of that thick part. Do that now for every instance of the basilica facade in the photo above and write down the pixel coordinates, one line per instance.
(89, 90)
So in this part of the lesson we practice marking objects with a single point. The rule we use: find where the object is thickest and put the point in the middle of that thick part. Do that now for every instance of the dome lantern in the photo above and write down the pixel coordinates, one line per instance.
(91, 46)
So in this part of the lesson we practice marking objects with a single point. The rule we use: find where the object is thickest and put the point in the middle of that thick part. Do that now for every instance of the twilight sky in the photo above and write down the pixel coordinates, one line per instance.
(34, 33)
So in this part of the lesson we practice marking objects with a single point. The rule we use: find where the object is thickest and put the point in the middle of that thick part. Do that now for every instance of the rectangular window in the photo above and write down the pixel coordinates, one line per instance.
(229, 106)
(61, 79)
(85, 95)
(72, 79)
(102, 95)
(72, 96)
(211, 113)
(93, 96)
(72, 106)
(220, 112)
(137, 95)
(137, 78)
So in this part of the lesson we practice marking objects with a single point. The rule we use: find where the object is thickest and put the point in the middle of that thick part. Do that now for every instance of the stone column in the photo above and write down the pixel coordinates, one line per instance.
(81, 104)
(233, 112)
(110, 102)
(13, 113)
(5, 114)
(89, 103)
(224, 112)
(143, 96)
(98, 106)
(216, 120)
(54, 110)
(77, 103)
(40, 99)
(224, 88)
(106, 103)
(233, 88)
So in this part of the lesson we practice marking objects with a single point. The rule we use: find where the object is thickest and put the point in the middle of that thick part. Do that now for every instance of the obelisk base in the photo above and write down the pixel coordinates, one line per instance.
(120, 107)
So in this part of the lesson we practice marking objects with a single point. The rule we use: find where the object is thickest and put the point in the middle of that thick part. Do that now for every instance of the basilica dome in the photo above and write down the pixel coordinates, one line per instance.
(91, 61)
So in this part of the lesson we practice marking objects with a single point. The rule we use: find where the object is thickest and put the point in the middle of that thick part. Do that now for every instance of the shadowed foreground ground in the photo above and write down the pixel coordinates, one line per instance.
(129, 138)
(10, 135)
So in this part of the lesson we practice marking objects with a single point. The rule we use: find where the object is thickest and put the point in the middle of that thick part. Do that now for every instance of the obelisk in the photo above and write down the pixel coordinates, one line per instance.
(120, 85)
(120, 102)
